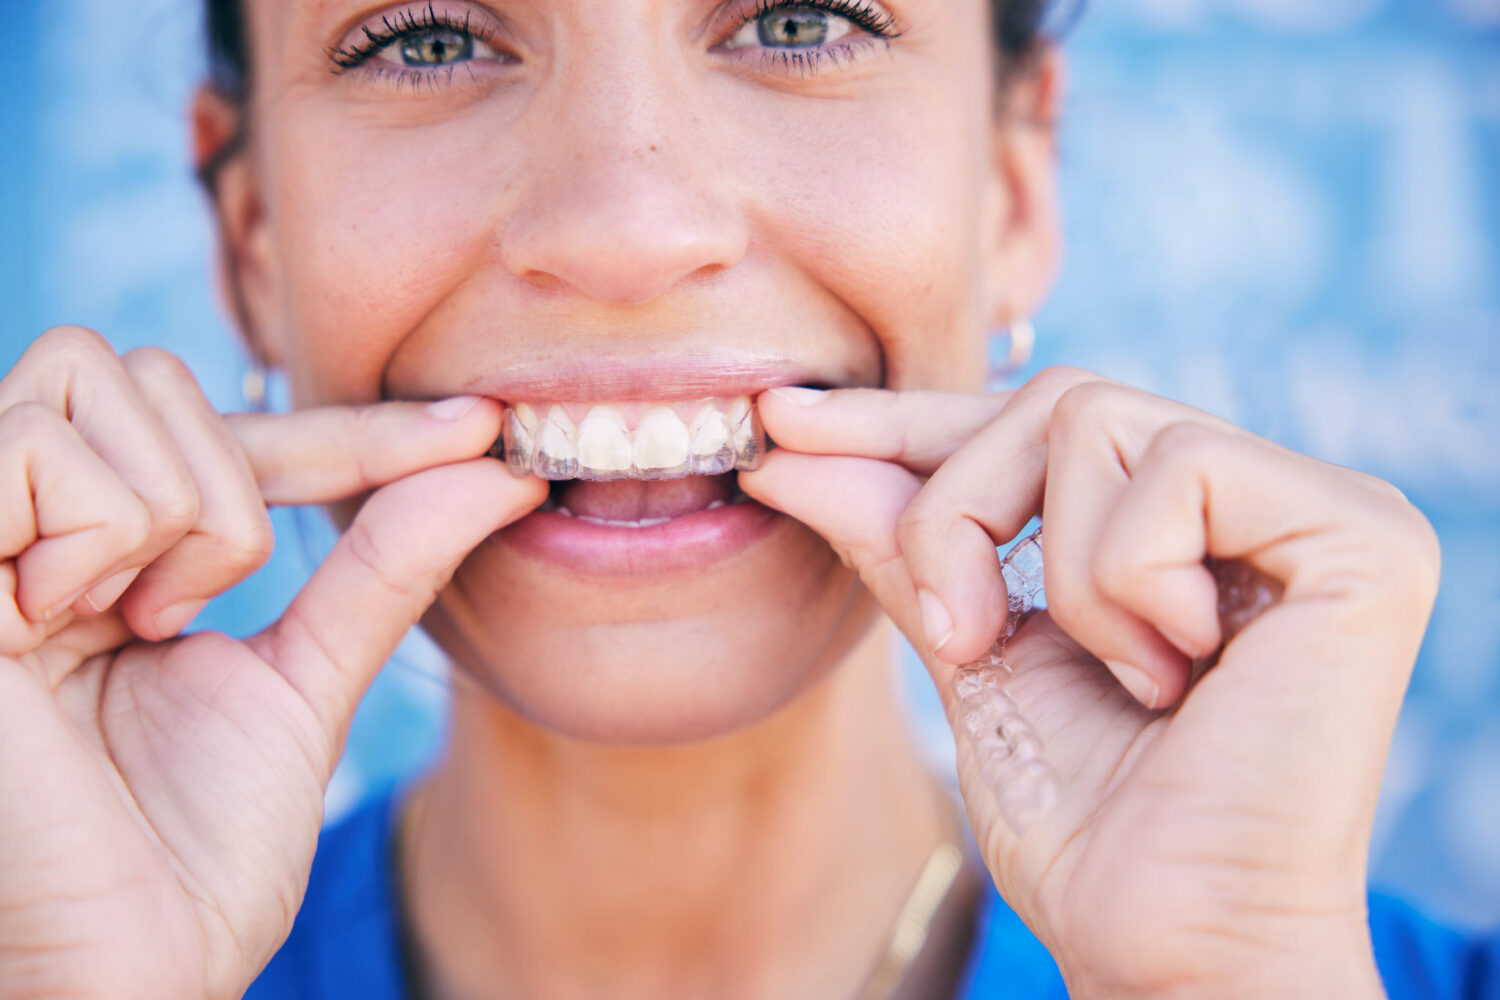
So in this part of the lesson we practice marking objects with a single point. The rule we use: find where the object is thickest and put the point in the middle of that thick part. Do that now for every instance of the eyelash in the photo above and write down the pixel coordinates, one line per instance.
(404, 24)
(877, 25)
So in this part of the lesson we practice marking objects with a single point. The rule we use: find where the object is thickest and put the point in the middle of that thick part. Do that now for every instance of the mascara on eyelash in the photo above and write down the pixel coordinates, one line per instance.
(864, 14)
(406, 25)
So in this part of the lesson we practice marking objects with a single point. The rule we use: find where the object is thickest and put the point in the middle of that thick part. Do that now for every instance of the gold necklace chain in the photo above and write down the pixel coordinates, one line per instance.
(908, 934)
(914, 921)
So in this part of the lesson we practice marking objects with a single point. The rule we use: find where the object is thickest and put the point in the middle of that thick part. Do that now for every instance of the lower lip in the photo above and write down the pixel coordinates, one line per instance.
(691, 542)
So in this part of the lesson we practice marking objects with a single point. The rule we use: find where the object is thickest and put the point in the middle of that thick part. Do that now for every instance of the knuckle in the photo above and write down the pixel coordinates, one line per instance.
(1186, 443)
(29, 420)
(133, 525)
(922, 518)
(1055, 380)
(360, 424)
(1086, 405)
(63, 350)
(175, 511)
(74, 342)
(247, 546)
(154, 366)
(1418, 550)
(1382, 488)
(365, 549)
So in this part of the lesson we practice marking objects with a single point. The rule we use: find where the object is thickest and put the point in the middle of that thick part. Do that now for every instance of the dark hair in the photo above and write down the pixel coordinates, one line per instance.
(1018, 28)
(228, 48)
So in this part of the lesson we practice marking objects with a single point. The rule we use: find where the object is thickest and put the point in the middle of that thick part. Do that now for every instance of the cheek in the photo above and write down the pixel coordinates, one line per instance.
(880, 202)
(376, 226)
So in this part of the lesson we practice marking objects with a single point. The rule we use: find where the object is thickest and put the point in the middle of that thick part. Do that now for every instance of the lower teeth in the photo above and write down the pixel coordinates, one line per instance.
(645, 522)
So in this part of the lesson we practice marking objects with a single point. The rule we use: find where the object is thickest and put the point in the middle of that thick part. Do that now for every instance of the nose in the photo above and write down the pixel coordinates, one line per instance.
(622, 204)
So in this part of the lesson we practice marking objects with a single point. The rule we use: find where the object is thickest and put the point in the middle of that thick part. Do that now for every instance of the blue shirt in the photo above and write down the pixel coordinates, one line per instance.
(346, 941)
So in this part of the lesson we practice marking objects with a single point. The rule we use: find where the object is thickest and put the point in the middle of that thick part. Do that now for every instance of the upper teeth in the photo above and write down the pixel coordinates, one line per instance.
(720, 435)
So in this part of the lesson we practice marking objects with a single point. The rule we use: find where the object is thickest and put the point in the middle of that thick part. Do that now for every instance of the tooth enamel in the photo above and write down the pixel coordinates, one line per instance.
(713, 451)
(604, 443)
(645, 522)
(749, 440)
(556, 455)
(520, 437)
(661, 444)
(723, 434)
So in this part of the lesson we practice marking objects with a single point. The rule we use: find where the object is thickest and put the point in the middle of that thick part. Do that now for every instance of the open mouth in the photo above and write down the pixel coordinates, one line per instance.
(635, 465)
(629, 503)
(638, 487)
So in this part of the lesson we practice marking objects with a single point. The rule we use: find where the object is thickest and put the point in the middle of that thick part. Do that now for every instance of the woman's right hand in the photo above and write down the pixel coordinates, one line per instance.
(160, 798)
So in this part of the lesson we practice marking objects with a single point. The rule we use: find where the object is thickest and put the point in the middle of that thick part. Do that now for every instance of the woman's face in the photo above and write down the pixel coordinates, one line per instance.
(631, 201)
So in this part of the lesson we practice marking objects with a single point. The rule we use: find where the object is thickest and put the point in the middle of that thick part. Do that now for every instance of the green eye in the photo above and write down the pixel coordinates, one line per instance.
(791, 28)
(418, 45)
(436, 48)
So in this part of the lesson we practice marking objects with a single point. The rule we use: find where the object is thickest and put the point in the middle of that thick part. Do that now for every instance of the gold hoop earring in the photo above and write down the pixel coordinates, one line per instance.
(253, 385)
(1010, 350)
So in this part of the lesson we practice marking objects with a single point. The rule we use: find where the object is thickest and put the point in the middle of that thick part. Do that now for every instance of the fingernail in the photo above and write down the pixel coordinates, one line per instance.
(1180, 642)
(62, 606)
(799, 395)
(107, 592)
(173, 619)
(1135, 680)
(937, 623)
(453, 408)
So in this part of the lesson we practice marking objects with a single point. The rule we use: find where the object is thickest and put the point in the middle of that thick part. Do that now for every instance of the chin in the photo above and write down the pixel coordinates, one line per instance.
(653, 659)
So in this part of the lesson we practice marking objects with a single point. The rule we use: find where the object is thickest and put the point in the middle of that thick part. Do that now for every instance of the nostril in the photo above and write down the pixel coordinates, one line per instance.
(622, 232)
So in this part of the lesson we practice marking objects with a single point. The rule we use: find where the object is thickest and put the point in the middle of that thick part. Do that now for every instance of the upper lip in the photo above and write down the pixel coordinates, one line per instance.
(619, 378)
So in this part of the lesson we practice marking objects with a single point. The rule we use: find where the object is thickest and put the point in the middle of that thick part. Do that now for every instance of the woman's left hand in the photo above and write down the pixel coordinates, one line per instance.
(1210, 840)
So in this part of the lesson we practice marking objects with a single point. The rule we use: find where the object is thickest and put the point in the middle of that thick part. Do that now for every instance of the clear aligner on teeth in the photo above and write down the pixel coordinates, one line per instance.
(1005, 746)
(720, 436)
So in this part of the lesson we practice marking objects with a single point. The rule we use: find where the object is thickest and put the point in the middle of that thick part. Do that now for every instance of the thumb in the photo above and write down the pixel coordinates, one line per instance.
(385, 571)
(855, 504)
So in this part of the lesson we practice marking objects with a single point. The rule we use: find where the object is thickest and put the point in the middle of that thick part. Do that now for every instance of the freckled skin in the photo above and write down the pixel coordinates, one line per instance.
(420, 242)
(623, 189)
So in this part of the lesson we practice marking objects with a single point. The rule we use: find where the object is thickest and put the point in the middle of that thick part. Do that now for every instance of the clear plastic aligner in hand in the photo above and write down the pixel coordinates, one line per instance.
(1006, 748)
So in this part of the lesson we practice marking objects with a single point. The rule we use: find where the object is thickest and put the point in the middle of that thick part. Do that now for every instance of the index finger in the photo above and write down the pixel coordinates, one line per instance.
(332, 452)
(917, 429)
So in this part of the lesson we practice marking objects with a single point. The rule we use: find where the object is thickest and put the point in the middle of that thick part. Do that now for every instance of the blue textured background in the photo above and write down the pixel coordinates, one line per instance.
(1284, 211)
